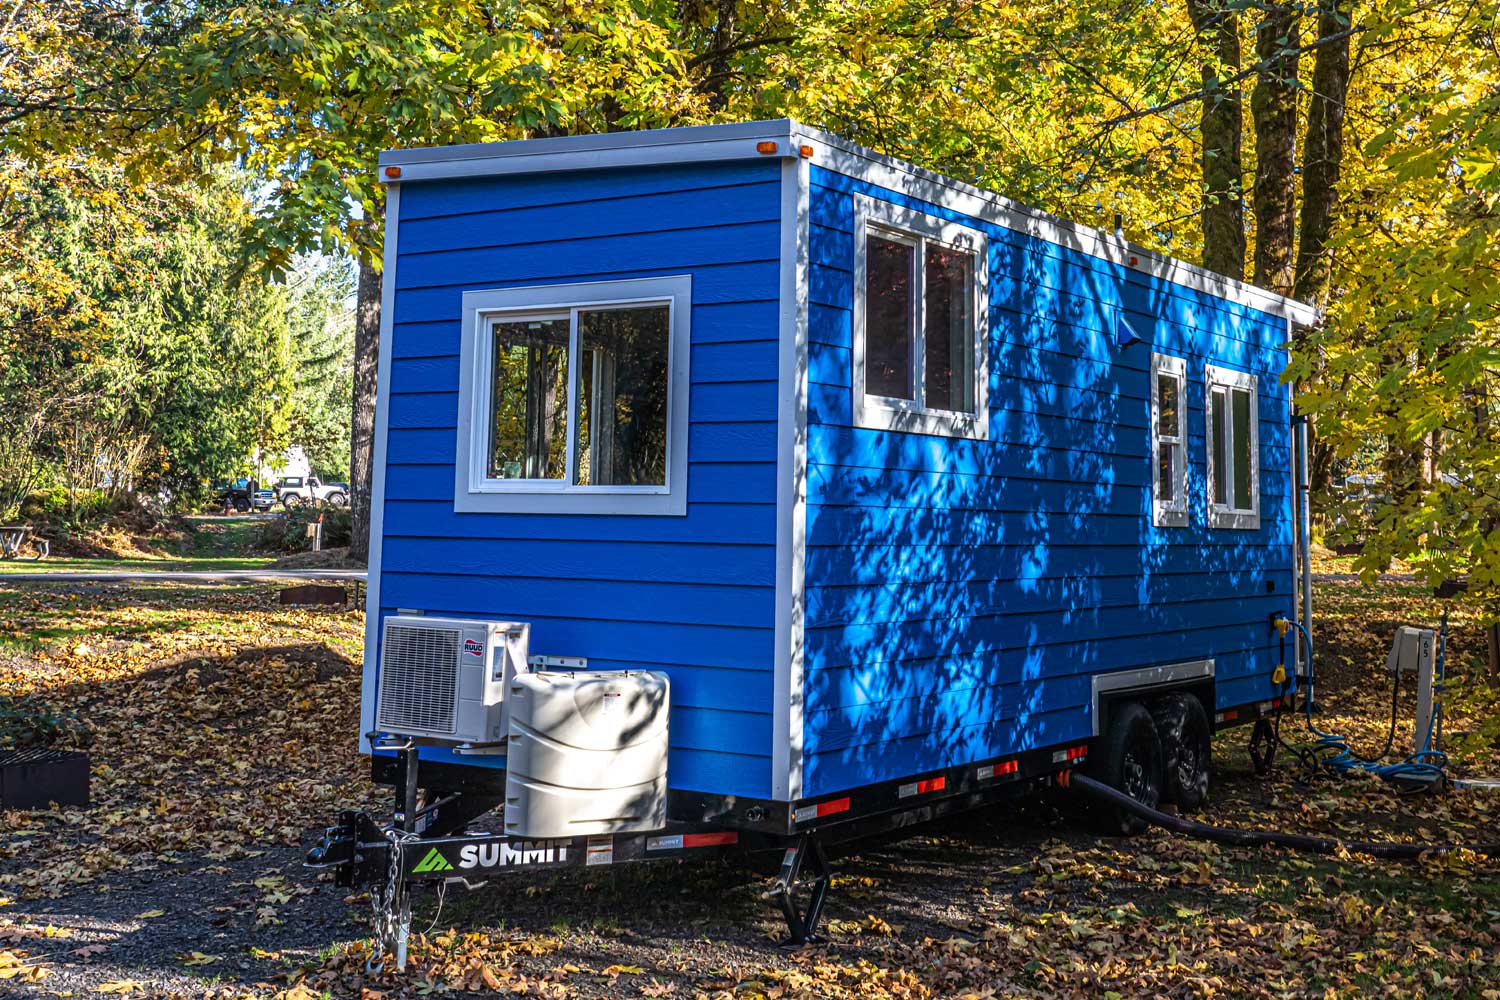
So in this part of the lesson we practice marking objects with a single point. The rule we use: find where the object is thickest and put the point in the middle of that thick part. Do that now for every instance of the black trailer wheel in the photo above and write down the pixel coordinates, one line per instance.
(1133, 764)
(243, 506)
(1187, 748)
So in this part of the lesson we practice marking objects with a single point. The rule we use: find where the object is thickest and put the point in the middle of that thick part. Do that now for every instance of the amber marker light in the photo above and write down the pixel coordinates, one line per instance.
(391, 173)
(806, 151)
(765, 147)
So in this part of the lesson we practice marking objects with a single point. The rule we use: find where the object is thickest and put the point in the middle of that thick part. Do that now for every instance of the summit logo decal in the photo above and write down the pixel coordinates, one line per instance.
(434, 862)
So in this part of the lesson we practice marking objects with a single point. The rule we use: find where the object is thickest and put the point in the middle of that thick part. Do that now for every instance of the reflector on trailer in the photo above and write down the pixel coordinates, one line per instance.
(821, 809)
(922, 787)
(682, 841)
(765, 147)
(989, 771)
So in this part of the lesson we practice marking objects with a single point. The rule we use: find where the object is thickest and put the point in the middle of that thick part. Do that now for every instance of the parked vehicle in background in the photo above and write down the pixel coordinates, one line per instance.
(263, 500)
(236, 494)
(295, 491)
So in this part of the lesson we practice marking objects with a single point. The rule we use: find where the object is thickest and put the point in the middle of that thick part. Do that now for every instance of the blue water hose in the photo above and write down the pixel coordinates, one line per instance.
(1425, 764)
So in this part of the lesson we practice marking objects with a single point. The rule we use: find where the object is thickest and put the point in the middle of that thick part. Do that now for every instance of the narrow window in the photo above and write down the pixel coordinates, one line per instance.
(950, 330)
(920, 328)
(1168, 441)
(889, 327)
(529, 420)
(622, 403)
(1233, 449)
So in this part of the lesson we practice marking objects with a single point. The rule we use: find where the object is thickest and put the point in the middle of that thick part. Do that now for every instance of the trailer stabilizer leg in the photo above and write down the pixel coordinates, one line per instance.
(1262, 747)
(802, 926)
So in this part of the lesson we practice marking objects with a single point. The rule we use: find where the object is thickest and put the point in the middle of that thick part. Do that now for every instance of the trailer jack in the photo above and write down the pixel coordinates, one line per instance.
(802, 926)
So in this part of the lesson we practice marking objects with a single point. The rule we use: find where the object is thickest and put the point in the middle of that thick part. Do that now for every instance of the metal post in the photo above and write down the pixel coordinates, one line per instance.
(400, 889)
(1304, 497)
(408, 771)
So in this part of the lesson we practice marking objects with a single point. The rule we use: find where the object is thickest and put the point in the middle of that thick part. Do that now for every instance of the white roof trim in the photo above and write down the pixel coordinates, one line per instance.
(738, 141)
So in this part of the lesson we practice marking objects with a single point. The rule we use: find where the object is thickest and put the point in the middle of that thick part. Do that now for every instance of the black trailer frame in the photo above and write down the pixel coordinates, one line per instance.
(426, 842)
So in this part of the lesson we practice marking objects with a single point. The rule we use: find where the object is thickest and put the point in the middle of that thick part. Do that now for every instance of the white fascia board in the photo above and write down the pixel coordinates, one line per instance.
(370, 668)
(788, 682)
(864, 164)
(649, 147)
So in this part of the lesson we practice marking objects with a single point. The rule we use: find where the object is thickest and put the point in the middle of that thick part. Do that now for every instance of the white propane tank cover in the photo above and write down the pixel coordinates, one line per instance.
(587, 753)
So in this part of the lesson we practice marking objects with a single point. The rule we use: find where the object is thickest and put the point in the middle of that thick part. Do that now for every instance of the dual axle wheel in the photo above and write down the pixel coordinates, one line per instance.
(1157, 751)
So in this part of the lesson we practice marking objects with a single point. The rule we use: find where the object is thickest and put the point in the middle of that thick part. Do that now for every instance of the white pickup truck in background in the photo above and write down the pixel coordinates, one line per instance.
(295, 491)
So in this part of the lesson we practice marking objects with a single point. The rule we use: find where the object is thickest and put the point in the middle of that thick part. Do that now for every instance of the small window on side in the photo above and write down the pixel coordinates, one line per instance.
(573, 398)
(1231, 415)
(920, 323)
(1168, 441)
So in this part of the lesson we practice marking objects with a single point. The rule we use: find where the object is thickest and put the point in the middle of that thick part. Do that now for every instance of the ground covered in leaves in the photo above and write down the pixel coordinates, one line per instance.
(222, 732)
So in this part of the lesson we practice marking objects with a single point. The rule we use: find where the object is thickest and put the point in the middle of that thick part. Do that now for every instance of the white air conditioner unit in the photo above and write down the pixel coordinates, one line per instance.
(445, 678)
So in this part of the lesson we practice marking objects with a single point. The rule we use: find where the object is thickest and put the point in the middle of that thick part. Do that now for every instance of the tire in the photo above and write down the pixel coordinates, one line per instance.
(243, 506)
(1187, 749)
(1133, 764)
(291, 501)
(338, 500)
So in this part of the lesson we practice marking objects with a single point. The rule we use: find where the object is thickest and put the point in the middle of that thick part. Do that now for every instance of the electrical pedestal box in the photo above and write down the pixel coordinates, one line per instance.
(1413, 651)
(587, 753)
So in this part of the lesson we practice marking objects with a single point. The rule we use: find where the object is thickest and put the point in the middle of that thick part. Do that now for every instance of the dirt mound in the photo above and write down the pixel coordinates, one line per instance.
(130, 534)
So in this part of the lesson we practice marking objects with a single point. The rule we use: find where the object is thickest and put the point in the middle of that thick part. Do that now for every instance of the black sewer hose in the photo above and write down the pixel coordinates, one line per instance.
(1232, 837)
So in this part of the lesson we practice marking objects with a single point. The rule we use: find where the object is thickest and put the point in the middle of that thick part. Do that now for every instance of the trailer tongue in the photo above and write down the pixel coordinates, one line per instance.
(392, 861)
(423, 847)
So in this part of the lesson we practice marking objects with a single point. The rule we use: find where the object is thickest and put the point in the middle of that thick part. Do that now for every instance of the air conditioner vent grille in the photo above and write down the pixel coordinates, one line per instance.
(419, 679)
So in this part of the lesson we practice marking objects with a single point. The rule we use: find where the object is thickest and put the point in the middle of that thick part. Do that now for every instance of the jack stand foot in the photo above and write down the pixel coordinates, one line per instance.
(1262, 747)
(802, 927)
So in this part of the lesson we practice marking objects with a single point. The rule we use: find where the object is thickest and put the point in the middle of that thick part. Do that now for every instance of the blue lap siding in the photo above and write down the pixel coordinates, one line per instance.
(691, 595)
(961, 594)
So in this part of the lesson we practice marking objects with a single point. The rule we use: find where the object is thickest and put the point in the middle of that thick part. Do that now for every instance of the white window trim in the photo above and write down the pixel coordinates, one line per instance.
(474, 492)
(1223, 515)
(882, 413)
(1169, 513)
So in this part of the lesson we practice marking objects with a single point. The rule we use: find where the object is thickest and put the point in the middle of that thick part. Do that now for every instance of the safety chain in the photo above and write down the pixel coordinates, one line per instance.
(392, 908)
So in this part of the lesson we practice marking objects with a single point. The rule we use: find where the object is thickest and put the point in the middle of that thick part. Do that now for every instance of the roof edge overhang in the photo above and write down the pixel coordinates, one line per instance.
(784, 138)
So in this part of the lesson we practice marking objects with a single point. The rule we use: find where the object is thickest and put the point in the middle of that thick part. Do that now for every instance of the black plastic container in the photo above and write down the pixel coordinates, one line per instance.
(36, 777)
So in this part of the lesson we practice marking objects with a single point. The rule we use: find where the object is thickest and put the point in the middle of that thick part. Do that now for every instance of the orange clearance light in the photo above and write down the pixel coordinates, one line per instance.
(1134, 261)
(806, 151)
(765, 147)
(393, 172)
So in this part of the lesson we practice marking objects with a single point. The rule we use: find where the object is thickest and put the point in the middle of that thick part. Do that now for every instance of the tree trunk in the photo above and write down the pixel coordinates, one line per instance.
(716, 82)
(1273, 104)
(1221, 122)
(1323, 153)
(1322, 162)
(362, 422)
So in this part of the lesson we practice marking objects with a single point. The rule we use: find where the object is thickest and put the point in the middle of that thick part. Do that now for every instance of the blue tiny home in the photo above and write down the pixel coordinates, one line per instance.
(901, 484)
